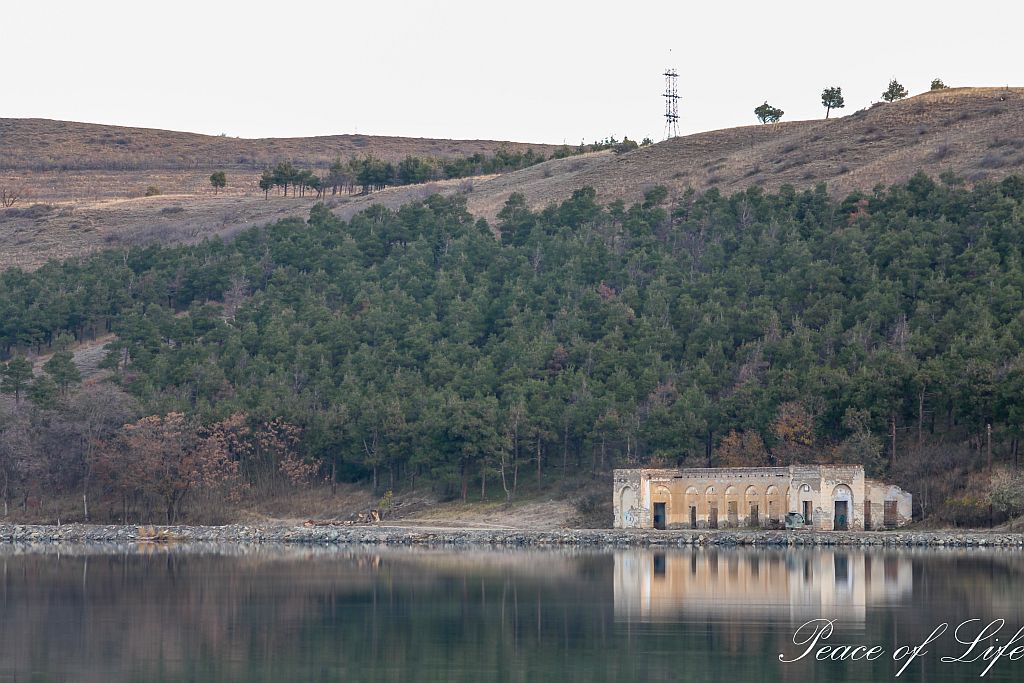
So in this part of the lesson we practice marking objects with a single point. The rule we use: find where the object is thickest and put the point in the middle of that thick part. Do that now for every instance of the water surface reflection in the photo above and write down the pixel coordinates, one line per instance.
(258, 613)
(736, 583)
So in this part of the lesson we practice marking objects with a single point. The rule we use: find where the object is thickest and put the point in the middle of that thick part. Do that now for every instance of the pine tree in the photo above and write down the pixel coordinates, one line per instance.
(894, 92)
(16, 375)
(832, 98)
(219, 180)
(61, 367)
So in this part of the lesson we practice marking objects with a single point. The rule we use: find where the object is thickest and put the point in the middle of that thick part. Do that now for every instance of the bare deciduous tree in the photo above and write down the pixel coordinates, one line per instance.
(10, 195)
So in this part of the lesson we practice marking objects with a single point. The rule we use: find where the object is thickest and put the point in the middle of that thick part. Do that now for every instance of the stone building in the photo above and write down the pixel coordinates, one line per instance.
(828, 497)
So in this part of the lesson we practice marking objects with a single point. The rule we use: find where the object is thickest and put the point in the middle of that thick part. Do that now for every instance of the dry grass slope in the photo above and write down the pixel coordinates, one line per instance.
(973, 132)
(46, 145)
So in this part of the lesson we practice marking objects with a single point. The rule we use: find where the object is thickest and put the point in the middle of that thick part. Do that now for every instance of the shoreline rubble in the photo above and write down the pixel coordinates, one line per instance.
(395, 535)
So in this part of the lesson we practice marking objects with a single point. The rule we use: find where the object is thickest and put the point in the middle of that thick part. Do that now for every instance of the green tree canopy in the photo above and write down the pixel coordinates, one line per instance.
(16, 375)
(219, 180)
(894, 92)
(766, 113)
(62, 369)
(832, 98)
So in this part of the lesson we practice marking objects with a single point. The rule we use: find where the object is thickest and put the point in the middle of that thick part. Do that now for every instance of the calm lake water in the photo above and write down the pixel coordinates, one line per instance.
(199, 613)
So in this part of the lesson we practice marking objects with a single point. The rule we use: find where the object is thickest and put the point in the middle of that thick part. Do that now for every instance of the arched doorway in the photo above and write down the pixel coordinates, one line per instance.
(805, 500)
(712, 503)
(662, 503)
(732, 505)
(842, 504)
(691, 505)
(752, 506)
(774, 501)
(628, 507)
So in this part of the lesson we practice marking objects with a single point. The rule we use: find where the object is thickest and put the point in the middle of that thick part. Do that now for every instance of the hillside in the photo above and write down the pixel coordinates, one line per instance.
(411, 349)
(973, 132)
(83, 185)
(96, 203)
(41, 145)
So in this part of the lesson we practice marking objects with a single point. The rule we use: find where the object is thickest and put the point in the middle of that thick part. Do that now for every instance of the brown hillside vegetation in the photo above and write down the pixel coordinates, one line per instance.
(45, 145)
(975, 133)
(68, 161)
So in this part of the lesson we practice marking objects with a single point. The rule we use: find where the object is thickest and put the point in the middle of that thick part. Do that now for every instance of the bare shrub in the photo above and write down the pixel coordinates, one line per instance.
(798, 161)
(1007, 145)
(593, 511)
(941, 151)
(9, 196)
(991, 160)
(171, 210)
(34, 211)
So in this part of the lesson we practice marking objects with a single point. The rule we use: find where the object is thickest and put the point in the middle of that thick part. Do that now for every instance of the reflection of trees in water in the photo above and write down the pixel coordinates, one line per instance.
(253, 613)
(260, 617)
(981, 583)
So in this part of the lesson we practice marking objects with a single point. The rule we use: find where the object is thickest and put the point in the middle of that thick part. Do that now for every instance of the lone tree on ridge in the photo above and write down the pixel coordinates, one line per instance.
(894, 92)
(832, 98)
(219, 180)
(766, 113)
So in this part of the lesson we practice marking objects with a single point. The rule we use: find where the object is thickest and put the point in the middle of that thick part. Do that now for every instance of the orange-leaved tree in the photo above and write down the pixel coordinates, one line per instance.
(167, 457)
(741, 449)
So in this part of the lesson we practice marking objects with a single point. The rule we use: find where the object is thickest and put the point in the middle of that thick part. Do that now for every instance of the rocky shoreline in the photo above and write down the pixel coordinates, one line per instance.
(435, 536)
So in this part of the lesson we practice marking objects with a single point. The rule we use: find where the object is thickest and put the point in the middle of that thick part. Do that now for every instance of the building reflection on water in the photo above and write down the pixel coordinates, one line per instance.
(653, 585)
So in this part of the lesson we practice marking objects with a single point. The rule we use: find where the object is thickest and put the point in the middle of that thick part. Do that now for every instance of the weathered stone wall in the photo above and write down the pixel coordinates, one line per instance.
(877, 493)
(627, 504)
(735, 497)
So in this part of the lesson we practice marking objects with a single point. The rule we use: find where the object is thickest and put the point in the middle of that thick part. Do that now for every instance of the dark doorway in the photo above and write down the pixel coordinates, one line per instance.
(842, 516)
(807, 513)
(867, 515)
(659, 515)
(713, 518)
(889, 514)
(755, 518)
(734, 516)
(693, 516)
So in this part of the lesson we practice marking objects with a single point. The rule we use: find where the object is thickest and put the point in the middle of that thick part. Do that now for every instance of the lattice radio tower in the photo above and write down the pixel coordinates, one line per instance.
(671, 103)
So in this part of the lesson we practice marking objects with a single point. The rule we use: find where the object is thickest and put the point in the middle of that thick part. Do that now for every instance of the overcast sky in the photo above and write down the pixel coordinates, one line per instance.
(533, 71)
